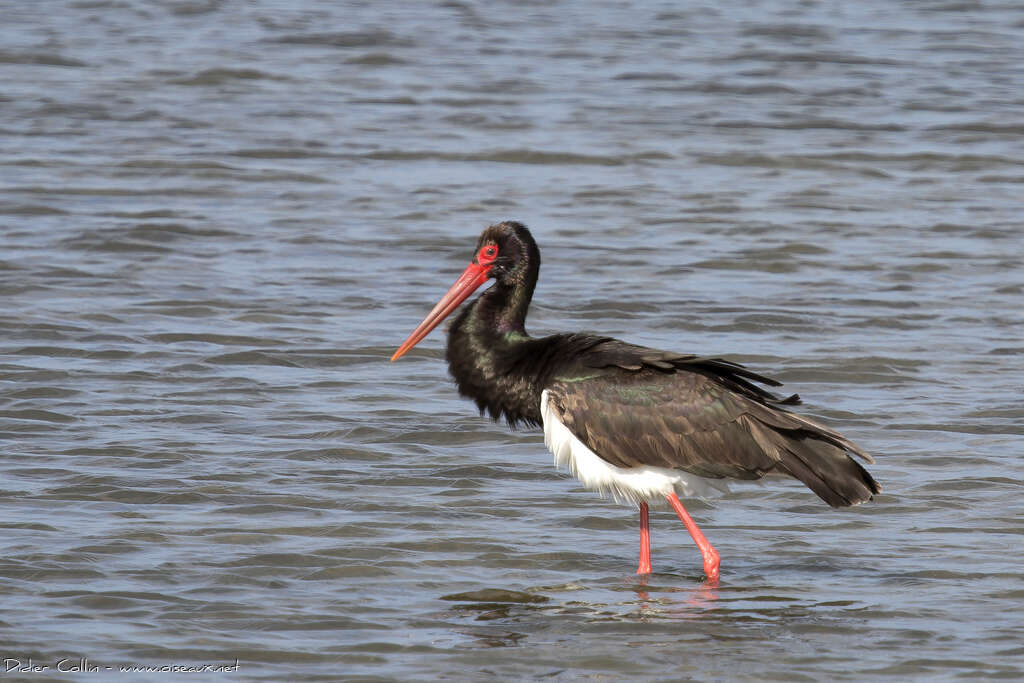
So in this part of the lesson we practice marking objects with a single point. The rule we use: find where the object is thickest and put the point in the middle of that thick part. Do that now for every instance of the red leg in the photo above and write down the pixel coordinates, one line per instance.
(645, 540)
(711, 557)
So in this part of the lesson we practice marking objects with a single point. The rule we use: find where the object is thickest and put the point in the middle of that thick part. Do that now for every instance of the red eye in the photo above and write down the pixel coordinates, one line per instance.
(487, 254)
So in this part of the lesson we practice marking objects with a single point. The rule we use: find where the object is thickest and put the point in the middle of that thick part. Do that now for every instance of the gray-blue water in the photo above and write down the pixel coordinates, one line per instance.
(219, 219)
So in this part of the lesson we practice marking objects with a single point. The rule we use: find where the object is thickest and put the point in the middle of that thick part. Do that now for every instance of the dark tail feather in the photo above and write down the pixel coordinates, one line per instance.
(819, 460)
(837, 478)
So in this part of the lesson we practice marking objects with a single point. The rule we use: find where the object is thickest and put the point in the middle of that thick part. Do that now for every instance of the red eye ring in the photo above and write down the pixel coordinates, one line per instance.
(487, 255)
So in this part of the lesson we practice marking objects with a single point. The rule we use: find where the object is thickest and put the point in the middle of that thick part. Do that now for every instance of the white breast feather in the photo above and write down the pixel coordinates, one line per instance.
(624, 484)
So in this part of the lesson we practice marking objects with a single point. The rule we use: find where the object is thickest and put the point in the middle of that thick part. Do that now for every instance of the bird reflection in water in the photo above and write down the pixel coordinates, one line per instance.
(690, 602)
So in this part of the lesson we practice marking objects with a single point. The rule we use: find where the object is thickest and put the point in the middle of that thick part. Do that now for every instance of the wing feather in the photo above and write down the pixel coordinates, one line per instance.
(689, 418)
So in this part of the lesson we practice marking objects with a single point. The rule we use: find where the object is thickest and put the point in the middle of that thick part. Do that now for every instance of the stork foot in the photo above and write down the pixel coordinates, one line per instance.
(707, 551)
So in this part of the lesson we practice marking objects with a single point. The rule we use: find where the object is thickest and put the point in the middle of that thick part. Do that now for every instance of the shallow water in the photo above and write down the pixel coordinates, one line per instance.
(218, 221)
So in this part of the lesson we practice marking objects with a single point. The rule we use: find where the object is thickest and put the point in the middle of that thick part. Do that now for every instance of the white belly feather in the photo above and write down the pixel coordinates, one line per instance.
(624, 484)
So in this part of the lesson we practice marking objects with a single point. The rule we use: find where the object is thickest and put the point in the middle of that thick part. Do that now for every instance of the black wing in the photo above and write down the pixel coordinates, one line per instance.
(704, 416)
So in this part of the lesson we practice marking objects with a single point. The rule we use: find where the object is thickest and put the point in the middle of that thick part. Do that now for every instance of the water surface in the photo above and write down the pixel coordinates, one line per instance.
(218, 220)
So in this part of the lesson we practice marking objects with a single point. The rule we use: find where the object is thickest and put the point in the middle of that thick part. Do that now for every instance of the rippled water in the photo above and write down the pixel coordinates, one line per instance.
(219, 219)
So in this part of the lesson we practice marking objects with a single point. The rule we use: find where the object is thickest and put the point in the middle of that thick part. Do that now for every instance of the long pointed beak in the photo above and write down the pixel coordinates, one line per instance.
(471, 278)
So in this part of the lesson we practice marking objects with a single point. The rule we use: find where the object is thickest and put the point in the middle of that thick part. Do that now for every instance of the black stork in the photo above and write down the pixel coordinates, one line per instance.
(639, 424)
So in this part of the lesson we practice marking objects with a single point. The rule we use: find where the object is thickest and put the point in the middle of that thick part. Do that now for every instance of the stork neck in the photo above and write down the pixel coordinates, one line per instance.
(502, 310)
(487, 347)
